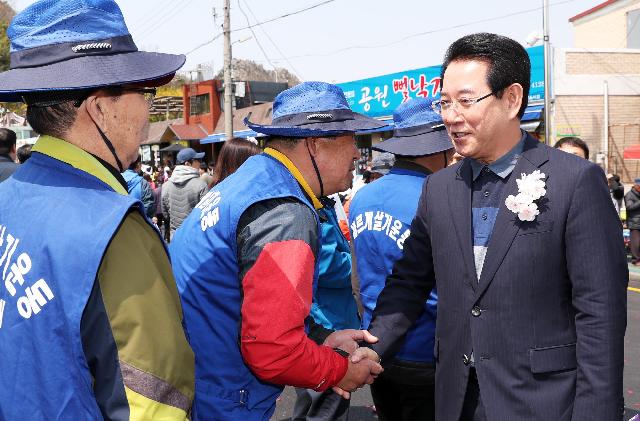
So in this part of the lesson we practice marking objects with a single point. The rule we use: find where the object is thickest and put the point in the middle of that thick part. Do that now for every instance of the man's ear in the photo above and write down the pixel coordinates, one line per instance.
(95, 106)
(312, 146)
(514, 97)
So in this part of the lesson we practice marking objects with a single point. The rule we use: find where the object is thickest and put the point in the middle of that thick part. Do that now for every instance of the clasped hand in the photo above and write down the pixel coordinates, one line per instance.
(364, 365)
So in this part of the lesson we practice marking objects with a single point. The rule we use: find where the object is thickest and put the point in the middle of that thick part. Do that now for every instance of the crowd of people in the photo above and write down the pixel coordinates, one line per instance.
(477, 275)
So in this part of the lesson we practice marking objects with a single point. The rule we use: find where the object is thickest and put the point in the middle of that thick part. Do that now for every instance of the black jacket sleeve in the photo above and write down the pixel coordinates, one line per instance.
(401, 301)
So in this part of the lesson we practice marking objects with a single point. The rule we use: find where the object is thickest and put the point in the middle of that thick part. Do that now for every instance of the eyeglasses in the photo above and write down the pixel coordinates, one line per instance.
(149, 93)
(459, 105)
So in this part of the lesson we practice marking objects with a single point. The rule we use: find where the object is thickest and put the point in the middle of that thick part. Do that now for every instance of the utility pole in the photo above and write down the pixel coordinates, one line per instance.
(228, 88)
(547, 75)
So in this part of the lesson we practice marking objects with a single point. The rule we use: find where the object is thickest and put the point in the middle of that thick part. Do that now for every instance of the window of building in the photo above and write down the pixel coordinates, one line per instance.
(199, 104)
(633, 29)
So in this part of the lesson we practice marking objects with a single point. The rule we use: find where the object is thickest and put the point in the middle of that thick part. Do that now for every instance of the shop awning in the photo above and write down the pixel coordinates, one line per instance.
(532, 112)
(221, 137)
(631, 152)
(174, 147)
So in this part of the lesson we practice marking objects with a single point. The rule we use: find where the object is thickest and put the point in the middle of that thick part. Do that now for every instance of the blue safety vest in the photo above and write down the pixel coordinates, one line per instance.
(380, 217)
(55, 225)
(204, 257)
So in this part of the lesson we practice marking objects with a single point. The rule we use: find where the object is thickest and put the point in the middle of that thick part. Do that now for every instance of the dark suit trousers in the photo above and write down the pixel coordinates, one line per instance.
(405, 392)
(472, 409)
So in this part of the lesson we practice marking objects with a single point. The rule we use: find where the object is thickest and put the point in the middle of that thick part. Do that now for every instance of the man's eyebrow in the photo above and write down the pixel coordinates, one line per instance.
(464, 91)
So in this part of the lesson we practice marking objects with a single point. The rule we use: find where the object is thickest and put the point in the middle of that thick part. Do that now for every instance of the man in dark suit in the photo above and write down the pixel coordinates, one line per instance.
(531, 274)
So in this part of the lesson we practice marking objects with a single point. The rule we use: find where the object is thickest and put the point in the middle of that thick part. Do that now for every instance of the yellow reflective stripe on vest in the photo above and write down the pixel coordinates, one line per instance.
(296, 174)
(66, 152)
(143, 408)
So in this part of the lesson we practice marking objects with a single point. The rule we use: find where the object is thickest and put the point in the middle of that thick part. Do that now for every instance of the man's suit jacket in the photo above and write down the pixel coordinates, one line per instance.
(546, 319)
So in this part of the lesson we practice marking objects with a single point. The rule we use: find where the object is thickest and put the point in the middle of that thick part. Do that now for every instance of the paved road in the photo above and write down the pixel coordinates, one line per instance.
(361, 402)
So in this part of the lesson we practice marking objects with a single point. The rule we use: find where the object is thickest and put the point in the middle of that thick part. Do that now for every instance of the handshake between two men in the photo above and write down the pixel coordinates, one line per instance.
(364, 363)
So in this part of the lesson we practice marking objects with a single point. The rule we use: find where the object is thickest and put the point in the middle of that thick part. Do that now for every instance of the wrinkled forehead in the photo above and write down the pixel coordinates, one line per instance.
(465, 77)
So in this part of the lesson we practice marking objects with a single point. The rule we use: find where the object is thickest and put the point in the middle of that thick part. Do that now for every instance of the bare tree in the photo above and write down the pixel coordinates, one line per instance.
(250, 70)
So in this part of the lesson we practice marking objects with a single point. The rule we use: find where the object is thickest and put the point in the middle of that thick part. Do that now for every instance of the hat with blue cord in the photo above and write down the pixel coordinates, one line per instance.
(418, 130)
(59, 46)
(313, 109)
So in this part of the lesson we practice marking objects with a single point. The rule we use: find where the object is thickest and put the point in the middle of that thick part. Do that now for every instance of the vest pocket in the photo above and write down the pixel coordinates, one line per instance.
(553, 358)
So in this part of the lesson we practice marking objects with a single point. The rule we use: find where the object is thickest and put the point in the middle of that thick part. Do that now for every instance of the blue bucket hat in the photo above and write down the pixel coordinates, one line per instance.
(313, 109)
(64, 45)
(418, 130)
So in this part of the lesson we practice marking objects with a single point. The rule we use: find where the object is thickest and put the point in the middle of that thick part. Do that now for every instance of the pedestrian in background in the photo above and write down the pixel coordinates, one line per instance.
(90, 316)
(421, 146)
(7, 153)
(617, 189)
(573, 145)
(23, 153)
(232, 155)
(632, 204)
(184, 189)
(204, 174)
(139, 188)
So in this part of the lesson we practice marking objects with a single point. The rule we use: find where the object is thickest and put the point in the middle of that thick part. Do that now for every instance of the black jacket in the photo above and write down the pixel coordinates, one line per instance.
(7, 167)
(632, 203)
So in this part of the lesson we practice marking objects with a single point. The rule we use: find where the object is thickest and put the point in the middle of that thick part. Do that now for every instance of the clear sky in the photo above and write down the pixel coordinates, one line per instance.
(341, 40)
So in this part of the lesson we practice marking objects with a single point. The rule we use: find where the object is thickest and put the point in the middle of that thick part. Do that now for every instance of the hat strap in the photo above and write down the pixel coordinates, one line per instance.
(110, 147)
(315, 167)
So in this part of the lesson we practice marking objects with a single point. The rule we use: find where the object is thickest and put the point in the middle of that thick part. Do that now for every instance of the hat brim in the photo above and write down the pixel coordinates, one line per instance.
(327, 128)
(418, 145)
(92, 71)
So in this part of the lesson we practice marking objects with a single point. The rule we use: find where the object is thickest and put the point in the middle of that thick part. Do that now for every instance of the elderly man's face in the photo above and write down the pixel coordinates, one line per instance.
(130, 124)
(474, 128)
(335, 159)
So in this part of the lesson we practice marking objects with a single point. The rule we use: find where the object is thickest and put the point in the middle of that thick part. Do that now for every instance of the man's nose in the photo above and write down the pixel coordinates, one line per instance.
(451, 116)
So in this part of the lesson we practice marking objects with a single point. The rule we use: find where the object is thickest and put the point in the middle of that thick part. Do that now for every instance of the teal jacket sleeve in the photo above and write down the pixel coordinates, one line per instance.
(334, 259)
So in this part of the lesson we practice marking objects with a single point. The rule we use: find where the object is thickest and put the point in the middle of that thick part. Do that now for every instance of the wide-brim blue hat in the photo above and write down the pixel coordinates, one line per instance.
(313, 109)
(418, 131)
(61, 45)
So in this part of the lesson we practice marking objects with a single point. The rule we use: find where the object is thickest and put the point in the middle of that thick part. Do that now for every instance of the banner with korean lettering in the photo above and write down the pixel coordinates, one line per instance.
(379, 96)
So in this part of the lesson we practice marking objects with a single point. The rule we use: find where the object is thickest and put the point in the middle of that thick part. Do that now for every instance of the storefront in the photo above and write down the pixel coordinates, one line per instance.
(378, 96)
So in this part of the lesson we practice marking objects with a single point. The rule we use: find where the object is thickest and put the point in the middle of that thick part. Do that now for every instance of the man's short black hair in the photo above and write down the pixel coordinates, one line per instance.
(7, 141)
(134, 164)
(508, 61)
(573, 141)
(23, 153)
(54, 120)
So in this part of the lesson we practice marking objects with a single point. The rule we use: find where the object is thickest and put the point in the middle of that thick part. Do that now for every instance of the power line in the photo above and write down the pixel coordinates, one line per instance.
(420, 34)
(282, 56)
(262, 23)
(264, 53)
(156, 17)
(170, 14)
(145, 19)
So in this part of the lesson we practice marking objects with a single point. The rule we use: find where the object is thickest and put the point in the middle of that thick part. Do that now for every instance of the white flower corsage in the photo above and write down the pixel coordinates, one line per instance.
(530, 189)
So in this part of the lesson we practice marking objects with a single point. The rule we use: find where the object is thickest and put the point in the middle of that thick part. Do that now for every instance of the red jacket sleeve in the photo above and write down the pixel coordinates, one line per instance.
(277, 299)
